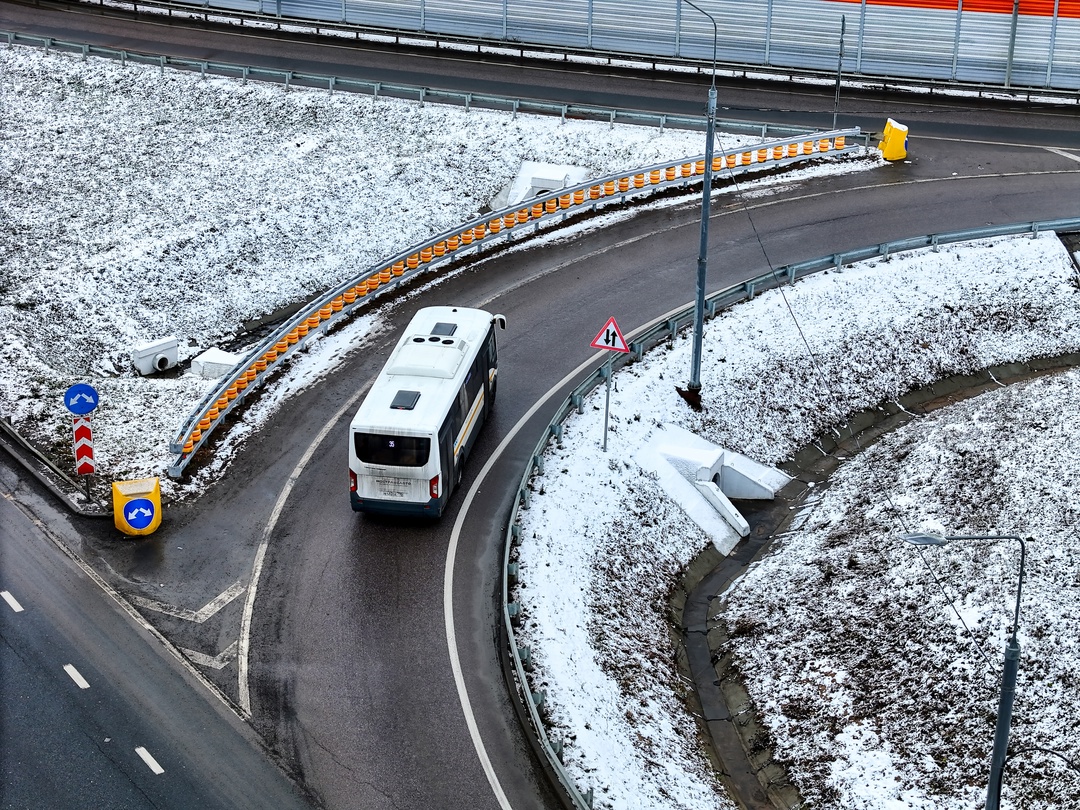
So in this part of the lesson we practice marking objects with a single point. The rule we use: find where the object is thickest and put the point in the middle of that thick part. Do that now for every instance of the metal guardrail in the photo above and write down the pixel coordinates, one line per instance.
(521, 655)
(336, 306)
(422, 95)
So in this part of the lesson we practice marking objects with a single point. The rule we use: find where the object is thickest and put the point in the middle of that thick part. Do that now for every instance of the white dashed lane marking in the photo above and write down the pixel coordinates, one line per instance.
(73, 673)
(151, 763)
(13, 603)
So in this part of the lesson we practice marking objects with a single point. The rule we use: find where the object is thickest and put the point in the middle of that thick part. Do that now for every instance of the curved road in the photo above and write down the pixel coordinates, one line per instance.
(348, 676)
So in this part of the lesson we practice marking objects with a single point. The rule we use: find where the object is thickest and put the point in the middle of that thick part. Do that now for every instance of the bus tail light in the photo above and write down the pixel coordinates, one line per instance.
(434, 484)
(352, 480)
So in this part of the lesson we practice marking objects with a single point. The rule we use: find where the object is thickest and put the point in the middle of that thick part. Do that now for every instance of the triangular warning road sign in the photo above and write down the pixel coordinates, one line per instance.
(610, 338)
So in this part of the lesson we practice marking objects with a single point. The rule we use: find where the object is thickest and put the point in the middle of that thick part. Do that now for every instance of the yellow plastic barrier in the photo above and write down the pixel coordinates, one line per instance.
(893, 145)
(137, 505)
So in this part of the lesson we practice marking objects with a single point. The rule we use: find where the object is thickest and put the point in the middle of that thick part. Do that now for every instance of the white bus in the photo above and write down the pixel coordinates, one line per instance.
(412, 433)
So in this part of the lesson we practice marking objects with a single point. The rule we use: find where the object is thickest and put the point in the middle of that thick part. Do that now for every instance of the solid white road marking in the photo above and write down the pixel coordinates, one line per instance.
(13, 603)
(244, 642)
(151, 763)
(73, 673)
(1064, 154)
(198, 616)
(451, 556)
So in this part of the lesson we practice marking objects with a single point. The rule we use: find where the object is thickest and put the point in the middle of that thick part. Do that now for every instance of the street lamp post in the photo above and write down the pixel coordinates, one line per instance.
(1008, 674)
(693, 388)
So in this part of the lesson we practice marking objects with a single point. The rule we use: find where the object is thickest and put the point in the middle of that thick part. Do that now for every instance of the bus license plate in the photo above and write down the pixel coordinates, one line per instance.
(393, 487)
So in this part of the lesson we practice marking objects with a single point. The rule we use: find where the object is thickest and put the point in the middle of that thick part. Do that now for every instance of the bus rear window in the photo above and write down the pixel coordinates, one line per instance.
(392, 451)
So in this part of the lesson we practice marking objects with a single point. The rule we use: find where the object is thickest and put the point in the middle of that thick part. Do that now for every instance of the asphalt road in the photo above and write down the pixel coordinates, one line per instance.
(347, 675)
(95, 711)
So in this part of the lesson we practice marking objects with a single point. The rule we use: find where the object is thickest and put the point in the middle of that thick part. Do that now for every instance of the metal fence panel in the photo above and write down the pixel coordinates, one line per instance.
(559, 22)
(983, 48)
(635, 27)
(1063, 69)
(477, 18)
(404, 14)
(897, 42)
(806, 33)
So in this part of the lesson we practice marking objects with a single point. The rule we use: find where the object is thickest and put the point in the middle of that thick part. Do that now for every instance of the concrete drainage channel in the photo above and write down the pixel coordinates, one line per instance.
(740, 747)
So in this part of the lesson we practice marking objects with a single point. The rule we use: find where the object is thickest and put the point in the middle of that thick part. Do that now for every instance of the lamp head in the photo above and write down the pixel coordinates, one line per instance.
(925, 539)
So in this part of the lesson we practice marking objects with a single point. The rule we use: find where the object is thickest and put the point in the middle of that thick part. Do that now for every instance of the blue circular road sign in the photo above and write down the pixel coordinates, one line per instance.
(80, 399)
(139, 513)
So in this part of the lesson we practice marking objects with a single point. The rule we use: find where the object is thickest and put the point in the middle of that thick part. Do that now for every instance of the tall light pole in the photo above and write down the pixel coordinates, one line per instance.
(693, 388)
(1012, 663)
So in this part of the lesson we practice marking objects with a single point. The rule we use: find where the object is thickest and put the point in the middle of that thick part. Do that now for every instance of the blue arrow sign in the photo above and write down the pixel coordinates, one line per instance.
(80, 399)
(139, 513)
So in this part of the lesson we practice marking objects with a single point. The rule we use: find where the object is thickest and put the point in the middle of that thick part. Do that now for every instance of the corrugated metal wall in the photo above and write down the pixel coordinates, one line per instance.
(928, 39)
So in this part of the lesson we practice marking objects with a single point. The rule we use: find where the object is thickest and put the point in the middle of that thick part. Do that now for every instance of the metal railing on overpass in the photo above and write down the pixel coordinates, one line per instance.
(660, 332)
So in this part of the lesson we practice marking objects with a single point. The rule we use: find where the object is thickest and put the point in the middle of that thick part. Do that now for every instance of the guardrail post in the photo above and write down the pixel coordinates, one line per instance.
(673, 326)
(375, 95)
(123, 57)
(513, 116)
(85, 49)
(576, 400)
(525, 656)
(749, 290)
(422, 90)
(884, 250)
(524, 495)
(611, 123)
(934, 243)
(556, 433)
(1034, 229)
(791, 274)
(202, 69)
(838, 263)
(333, 81)
(538, 464)
(663, 120)
(562, 119)
(288, 80)
(161, 64)
(710, 308)
(556, 747)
